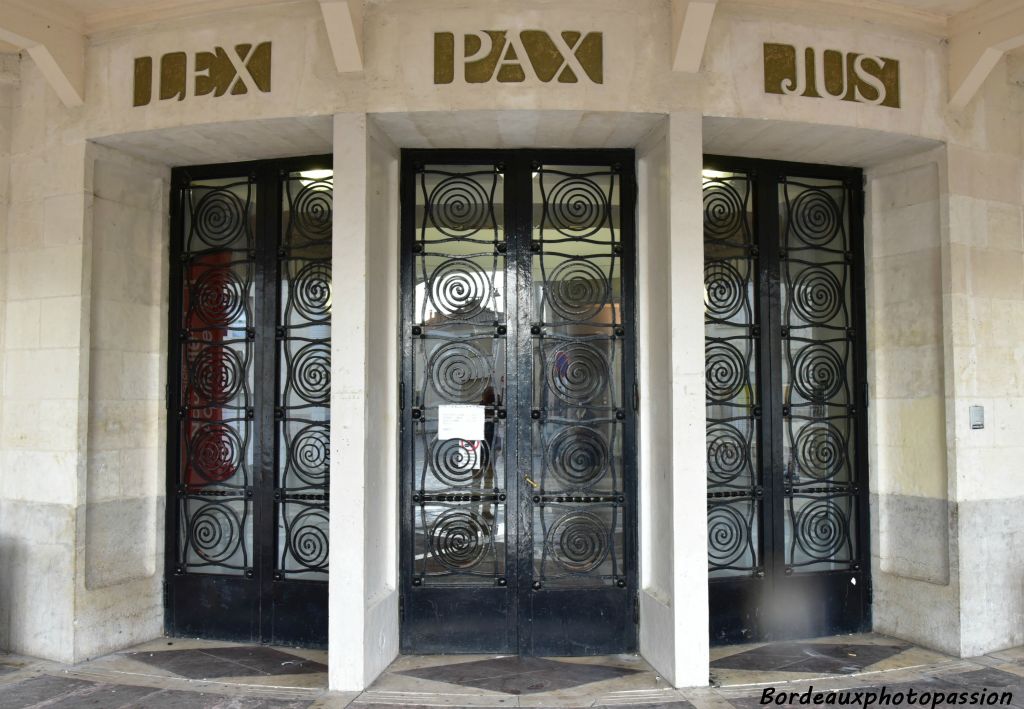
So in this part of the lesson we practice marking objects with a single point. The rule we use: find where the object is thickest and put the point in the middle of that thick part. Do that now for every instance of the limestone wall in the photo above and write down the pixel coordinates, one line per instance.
(913, 510)
(398, 61)
(81, 489)
(119, 554)
(946, 303)
(9, 75)
(984, 299)
(83, 292)
(45, 373)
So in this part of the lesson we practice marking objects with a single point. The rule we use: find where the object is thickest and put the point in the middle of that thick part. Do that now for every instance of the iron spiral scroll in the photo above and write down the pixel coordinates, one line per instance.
(458, 263)
(810, 479)
(518, 509)
(215, 358)
(819, 419)
(302, 405)
(579, 346)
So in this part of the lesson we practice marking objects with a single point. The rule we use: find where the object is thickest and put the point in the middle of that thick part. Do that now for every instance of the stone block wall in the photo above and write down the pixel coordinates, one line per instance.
(985, 327)
(43, 428)
(8, 86)
(946, 322)
(120, 541)
(913, 521)
(84, 290)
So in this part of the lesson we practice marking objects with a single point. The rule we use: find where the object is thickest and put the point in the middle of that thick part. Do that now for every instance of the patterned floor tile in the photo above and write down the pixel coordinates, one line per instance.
(38, 689)
(519, 675)
(986, 677)
(831, 658)
(237, 661)
(658, 705)
(105, 696)
(52, 692)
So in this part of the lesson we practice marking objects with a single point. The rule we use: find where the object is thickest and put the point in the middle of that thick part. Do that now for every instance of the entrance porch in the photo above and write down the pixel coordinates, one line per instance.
(172, 672)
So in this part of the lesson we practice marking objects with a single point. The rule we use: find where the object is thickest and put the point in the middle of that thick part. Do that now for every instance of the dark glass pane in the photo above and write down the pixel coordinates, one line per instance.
(459, 358)
(217, 295)
(731, 340)
(577, 383)
(302, 407)
(817, 374)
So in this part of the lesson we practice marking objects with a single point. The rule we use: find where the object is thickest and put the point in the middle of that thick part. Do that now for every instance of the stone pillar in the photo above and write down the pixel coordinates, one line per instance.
(689, 466)
(363, 599)
(673, 488)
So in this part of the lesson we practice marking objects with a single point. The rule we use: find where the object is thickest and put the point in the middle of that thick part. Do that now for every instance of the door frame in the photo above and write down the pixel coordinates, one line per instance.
(517, 227)
(763, 176)
(255, 599)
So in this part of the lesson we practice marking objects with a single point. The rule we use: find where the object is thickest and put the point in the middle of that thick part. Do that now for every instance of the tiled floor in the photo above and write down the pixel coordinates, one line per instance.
(216, 675)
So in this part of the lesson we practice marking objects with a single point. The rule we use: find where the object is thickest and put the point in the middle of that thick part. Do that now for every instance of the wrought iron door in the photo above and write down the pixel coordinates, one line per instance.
(517, 297)
(249, 401)
(786, 400)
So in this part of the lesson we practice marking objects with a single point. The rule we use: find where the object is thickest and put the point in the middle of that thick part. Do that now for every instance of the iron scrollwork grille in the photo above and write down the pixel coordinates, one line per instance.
(302, 410)
(249, 401)
(784, 364)
(214, 488)
(732, 338)
(577, 332)
(819, 407)
(459, 352)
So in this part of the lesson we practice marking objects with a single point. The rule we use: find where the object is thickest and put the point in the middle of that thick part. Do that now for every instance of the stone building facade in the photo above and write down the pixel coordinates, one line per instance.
(86, 287)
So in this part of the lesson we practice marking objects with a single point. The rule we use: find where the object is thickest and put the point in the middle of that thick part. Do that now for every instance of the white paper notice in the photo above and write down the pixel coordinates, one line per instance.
(460, 421)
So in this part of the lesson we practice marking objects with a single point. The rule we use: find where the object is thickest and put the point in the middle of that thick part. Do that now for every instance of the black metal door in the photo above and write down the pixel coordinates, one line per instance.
(249, 401)
(518, 535)
(786, 400)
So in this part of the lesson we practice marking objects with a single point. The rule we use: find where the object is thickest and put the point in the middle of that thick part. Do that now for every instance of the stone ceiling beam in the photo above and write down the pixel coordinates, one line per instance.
(52, 37)
(978, 39)
(344, 22)
(691, 23)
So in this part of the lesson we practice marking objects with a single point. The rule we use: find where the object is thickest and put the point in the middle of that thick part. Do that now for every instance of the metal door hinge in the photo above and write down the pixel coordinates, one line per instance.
(401, 607)
(636, 396)
(401, 396)
(636, 608)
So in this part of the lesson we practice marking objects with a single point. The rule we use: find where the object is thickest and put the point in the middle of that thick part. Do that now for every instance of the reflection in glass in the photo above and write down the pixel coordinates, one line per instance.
(302, 409)
(578, 334)
(459, 357)
(817, 371)
(731, 340)
(217, 295)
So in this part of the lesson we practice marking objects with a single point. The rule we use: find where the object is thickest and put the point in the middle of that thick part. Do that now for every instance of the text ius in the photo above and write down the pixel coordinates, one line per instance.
(829, 73)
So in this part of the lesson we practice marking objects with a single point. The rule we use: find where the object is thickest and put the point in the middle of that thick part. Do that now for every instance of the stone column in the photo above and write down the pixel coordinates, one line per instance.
(670, 360)
(363, 599)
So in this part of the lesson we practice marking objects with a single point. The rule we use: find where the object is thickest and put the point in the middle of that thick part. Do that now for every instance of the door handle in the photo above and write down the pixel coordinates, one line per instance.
(529, 480)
